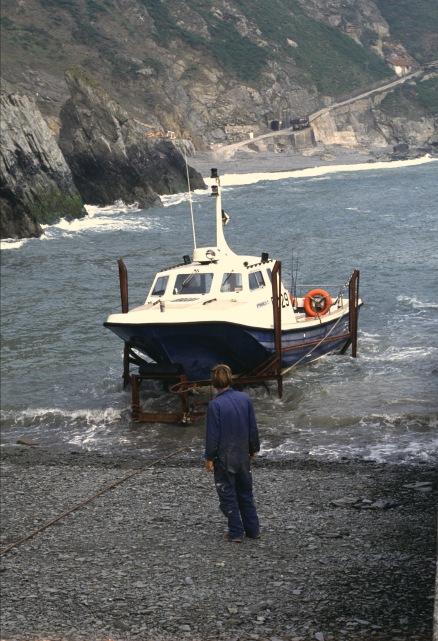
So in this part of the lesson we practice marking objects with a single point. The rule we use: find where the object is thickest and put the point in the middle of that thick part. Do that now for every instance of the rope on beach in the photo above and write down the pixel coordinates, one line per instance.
(91, 498)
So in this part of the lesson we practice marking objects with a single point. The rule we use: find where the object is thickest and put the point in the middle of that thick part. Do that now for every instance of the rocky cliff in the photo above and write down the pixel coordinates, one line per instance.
(363, 125)
(36, 185)
(109, 153)
(105, 157)
(203, 69)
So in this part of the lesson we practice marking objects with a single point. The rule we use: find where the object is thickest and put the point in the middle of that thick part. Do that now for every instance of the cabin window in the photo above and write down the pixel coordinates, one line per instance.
(160, 286)
(231, 282)
(256, 280)
(193, 283)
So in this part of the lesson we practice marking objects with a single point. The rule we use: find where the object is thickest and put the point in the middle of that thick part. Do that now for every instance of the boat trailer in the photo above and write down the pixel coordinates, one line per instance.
(175, 381)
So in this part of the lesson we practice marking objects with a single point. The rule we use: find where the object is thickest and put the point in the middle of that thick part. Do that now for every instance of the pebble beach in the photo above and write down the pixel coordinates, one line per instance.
(246, 161)
(347, 552)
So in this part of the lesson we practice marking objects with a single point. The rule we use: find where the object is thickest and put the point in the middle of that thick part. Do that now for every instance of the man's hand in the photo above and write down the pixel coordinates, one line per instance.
(253, 455)
(209, 465)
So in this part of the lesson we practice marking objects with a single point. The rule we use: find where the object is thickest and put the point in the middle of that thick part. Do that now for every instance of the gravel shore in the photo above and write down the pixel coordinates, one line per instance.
(347, 551)
(245, 161)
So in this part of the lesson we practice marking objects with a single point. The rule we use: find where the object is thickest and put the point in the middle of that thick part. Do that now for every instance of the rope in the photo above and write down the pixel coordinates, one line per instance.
(288, 369)
(91, 498)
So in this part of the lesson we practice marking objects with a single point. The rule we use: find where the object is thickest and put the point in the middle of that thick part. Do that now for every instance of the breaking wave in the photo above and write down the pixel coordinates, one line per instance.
(378, 438)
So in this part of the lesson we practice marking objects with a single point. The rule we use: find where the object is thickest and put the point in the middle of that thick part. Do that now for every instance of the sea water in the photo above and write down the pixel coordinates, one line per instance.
(61, 369)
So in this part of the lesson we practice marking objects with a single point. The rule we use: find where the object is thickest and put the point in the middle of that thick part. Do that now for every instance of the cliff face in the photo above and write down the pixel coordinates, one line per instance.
(201, 69)
(36, 185)
(107, 157)
(376, 121)
(109, 153)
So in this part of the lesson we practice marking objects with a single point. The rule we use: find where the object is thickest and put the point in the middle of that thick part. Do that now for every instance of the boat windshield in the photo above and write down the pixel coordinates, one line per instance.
(256, 280)
(194, 283)
(231, 282)
(160, 286)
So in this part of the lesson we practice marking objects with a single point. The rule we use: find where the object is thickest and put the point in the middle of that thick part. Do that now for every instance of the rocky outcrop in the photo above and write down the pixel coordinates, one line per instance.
(364, 123)
(414, 133)
(36, 185)
(110, 154)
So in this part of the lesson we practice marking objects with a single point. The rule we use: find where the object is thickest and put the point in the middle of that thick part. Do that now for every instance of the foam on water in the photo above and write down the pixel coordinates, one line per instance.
(314, 172)
(41, 417)
(12, 243)
(99, 222)
(118, 207)
(117, 217)
(417, 304)
(378, 438)
(185, 197)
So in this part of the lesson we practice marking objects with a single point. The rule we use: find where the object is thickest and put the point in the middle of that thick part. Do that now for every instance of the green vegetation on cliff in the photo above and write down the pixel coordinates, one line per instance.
(49, 207)
(193, 66)
(276, 32)
(415, 24)
(413, 100)
(330, 59)
(333, 61)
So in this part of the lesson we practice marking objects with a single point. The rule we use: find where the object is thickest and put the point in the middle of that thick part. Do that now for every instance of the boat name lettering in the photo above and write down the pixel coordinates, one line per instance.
(265, 302)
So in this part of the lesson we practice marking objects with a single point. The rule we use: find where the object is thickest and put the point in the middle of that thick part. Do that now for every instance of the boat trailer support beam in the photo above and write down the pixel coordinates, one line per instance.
(353, 301)
(354, 310)
(276, 306)
(123, 280)
(186, 414)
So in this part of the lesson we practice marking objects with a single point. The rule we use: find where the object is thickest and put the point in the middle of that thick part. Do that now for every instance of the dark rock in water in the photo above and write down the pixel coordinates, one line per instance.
(36, 185)
(109, 153)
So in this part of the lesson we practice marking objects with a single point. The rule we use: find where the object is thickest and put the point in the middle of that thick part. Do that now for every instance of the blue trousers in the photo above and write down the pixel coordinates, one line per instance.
(236, 500)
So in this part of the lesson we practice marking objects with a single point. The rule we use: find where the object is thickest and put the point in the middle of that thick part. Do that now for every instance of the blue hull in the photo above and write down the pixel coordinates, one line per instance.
(198, 347)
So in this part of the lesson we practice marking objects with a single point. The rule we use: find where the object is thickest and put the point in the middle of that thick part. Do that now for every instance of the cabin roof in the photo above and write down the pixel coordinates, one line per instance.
(399, 62)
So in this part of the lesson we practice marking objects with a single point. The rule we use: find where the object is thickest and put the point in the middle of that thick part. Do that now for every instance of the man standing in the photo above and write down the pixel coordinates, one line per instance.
(232, 439)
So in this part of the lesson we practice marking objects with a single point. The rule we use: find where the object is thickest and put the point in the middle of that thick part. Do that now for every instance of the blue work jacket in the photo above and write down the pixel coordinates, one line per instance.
(232, 433)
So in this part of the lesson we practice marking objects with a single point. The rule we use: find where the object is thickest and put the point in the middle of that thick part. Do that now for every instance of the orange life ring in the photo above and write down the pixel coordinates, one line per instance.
(317, 302)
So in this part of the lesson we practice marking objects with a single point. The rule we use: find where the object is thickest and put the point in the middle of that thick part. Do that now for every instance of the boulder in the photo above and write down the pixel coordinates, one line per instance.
(110, 154)
(36, 185)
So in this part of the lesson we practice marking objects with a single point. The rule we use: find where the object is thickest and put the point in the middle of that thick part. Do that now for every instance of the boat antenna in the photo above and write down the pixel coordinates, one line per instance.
(190, 201)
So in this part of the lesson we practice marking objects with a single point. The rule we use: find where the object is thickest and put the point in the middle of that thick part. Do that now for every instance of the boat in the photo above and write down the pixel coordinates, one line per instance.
(217, 306)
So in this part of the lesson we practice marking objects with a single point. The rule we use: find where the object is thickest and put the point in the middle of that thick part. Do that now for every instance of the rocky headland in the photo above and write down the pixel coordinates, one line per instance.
(36, 184)
(103, 155)
(111, 156)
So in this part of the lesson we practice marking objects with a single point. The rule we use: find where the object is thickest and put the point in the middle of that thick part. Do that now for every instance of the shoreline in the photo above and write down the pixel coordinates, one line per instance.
(145, 561)
(251, 162)
(244, 162)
